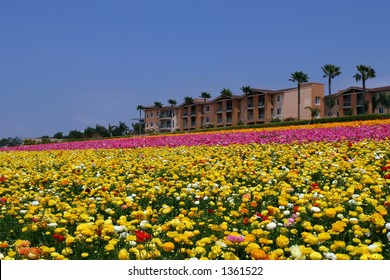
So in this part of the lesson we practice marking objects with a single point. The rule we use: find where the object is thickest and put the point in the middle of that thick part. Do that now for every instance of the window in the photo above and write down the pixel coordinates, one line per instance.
(279, 111)
(207, 119)
(279, 98)
(207, 108)
(337, 102)
(318, 100)
(151, 124)
(151, 115)
(147, 115)
(381, 111)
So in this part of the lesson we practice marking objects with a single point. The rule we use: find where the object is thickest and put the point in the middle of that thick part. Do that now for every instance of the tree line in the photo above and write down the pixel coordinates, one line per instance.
(99, 131)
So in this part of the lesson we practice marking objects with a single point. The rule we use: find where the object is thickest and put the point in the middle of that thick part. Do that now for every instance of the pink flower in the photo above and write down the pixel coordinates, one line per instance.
(235, 238)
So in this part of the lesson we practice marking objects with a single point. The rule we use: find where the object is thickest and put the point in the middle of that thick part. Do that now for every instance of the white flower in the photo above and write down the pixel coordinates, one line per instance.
(123, 235)
(340, 216)
(23, 211)
(351, 202)
(286, 212)
(271, 226)
(220, 244)
(330, 256)
(354, 220)
(206, 198)
(281, 207)
(144, 224)
(296, 252)
(52, 225)
(108, 210)
(387, 225)
(372, 248)
(315, 209)
(196, 202)
(1, 256)
(132, 243)
(118, 229)
(34, 203)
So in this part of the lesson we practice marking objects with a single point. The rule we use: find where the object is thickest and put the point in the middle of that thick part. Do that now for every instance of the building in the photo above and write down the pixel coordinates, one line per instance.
(261, 106)
(350, 101)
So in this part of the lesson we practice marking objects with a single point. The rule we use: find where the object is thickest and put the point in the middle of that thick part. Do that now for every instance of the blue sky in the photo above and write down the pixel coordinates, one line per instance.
(71, 64)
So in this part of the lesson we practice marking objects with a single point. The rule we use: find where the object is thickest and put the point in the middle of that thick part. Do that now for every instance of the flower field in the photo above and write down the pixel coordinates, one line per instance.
(312, 192)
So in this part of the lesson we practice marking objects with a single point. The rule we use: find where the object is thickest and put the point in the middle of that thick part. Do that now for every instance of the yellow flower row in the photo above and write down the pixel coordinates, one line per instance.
(306, 201)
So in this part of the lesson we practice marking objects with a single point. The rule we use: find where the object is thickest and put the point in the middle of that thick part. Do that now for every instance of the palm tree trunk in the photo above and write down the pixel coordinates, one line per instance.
(364, 94)
(299, 101)
(329, 94)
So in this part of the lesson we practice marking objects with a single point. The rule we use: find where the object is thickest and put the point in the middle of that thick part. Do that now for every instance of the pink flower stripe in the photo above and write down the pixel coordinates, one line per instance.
(353, 133)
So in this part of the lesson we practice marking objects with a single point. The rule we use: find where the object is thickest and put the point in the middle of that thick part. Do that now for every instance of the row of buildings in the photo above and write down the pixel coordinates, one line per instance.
(264, 106)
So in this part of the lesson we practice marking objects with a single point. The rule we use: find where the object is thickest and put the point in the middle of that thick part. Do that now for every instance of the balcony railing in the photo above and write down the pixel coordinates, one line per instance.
(261, 104)
(219, 109)
(347, 104)
(249, 105)
(229, 107)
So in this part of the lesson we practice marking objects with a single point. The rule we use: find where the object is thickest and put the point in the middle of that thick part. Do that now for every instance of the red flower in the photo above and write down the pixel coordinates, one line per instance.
(246, 221)
(387, 176)
(296, 209)
(264, 218)
(59, 237)
(385, 168)
(142, 236)
(3, 200)
(210, 210)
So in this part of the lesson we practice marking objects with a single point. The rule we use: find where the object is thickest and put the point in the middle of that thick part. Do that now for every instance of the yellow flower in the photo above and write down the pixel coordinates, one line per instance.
(123, 255)
(324, 236)
(330, 212)
(168, 246)
(315, 256)
(338, 226)
(282, 241)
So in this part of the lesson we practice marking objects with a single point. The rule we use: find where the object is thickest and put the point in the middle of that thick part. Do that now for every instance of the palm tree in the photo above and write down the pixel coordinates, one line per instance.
(364, 73)
(384, 100)
(226, 93)
(246, 90)
(205, 95)
(330, 72)
(313, 112)
(140, 108)
(158, 106)
(299, 77)
(188, 100)
(173, 103)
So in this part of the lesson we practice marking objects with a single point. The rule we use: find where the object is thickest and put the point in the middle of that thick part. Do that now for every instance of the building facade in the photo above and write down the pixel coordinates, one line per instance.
(260, 106)
(350, 101)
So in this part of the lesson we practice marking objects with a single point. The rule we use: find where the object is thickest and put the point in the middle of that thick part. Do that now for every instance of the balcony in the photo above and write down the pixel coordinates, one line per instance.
(193, 113)
(261, 104)
(229, 107)
(360, 102)
(249, 105)
(219, 109)
(347, 104)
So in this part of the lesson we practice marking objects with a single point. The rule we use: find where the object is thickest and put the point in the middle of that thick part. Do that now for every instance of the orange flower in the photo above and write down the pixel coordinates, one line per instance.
(3, 245)
(259, 254)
